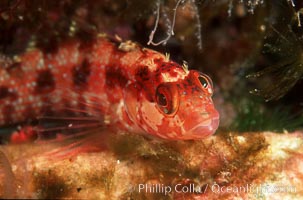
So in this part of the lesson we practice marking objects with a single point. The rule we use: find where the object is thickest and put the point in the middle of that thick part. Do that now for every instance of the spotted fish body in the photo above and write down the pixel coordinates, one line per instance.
(129, 87)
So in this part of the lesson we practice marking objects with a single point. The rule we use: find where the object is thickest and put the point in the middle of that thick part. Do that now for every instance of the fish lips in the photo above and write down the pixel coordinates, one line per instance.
(204, 128)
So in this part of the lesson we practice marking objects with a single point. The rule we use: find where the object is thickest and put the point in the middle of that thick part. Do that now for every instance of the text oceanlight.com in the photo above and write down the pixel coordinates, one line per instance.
(215, 188)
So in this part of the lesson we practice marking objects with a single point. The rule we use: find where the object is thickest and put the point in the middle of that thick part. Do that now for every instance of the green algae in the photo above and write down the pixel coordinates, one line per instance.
(253, 116)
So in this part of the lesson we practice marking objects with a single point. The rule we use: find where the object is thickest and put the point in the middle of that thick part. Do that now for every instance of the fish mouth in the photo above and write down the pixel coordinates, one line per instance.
(204, 129)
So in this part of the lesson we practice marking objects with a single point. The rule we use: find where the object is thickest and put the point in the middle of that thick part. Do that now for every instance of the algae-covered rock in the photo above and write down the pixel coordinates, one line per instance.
(247, 166)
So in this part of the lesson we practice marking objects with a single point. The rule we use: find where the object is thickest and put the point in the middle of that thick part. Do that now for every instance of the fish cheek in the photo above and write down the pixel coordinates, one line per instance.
(150, 116)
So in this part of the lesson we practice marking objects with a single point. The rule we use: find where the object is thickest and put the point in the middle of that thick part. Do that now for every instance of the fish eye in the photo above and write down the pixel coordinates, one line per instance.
(161, 99)
(167, 98)
(205, 81)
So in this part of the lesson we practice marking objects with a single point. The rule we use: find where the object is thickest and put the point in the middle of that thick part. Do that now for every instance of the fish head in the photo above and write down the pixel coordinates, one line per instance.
(176, 105)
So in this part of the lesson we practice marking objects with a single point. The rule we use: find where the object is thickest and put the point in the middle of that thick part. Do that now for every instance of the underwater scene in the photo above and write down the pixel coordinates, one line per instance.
(154, 99)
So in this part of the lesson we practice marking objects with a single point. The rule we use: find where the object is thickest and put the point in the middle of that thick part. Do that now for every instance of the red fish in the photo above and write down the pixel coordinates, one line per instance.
(129, 87)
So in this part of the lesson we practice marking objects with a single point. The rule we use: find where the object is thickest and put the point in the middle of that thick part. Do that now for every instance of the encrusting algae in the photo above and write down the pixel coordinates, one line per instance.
(200, 168)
